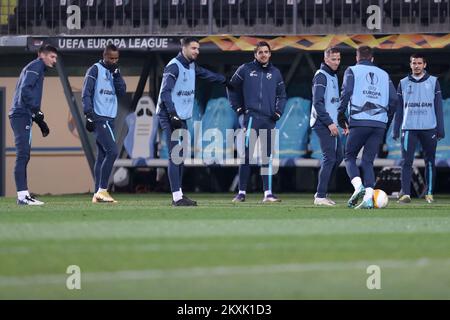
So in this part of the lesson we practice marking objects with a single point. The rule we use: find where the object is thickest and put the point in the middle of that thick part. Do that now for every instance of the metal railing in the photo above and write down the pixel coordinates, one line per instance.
(51, 17)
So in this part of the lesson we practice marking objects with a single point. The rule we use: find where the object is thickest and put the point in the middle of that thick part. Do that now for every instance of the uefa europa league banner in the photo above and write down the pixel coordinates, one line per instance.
(218, 43)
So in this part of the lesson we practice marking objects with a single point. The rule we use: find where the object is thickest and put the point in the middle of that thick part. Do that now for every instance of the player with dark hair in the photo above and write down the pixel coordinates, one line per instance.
(323, 120)
(257, 94)
(175, 105)
(25, 109)
(103, 83)
(367, 104)
(419, 118)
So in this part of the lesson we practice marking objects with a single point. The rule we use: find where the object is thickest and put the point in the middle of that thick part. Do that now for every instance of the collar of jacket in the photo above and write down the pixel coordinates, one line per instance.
(366, 62)
(327, 69)
(266, 66)
(44, 67)
(412, 79)
(103, 64)
(185, 62)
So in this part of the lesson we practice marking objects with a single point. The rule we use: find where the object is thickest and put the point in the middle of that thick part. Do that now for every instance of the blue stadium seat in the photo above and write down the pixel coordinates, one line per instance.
(293, 128)
(443, 147)
(218, 117)
(314, 144)
(394, 148)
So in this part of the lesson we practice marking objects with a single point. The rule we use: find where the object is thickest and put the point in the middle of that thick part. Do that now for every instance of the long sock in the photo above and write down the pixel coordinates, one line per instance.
(369, 194)
(102, 190)
(177, 195)
(356, 182)
(22, 194)
(242, 192)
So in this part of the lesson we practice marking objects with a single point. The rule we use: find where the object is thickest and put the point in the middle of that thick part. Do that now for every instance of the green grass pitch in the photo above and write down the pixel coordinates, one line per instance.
(141, 248)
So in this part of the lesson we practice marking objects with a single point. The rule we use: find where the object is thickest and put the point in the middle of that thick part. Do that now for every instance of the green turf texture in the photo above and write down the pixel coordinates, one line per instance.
(142, 248)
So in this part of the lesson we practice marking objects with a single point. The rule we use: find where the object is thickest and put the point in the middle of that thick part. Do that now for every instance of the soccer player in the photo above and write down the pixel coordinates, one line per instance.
(420, 118)
(26, 109)
(102, 85)
(257, 92)
(370, 99)
(175, 104)
(325, 95)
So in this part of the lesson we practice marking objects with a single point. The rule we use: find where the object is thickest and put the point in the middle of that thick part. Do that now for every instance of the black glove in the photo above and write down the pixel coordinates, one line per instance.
(37, 116)
(276, 116)
(342, 120)
(175, 121)
(90, 124)
(44, 128)
(240, 110)
(116, 72)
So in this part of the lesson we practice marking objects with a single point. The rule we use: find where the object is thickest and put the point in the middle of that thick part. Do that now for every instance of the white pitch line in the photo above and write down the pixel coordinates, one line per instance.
(134, 275)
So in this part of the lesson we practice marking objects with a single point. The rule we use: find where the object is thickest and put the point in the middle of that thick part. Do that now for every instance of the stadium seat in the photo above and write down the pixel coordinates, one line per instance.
(167, 12)
(54, 13)
(113, 12)
(293, 128)
(218, 117)
(28, 12)
(443, 147)
(282, 11)
(196, 12)
(394, 148)
(225, 12)
(137, 11)
(253, 11)
(138, 139)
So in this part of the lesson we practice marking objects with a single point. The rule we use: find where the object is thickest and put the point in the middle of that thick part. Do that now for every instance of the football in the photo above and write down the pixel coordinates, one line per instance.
(380, 199)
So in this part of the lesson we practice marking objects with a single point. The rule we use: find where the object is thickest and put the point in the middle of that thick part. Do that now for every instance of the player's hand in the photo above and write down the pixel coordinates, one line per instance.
(37, 116)
(276, 116)
(334, 131)
(116, 72)
(90, 124)
(175, 121)
(44, 128)
(240, 110)
(342, 120)
(346, 131)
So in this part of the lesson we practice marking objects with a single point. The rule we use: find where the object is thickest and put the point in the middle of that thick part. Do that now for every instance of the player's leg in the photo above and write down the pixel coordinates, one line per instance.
(21, 126)
(355, 141)
(329, 147)
(175, 167)
(371, 148)
(428, 140)
(409, 141)
(98, 169)
(104, 131)
(244, 167)
(265, 128)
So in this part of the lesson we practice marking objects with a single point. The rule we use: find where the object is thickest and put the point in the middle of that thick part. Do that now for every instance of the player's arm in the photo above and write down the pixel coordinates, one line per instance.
(31, 77)
(209, 76)
(169, 79)
(119, 84)
(318, 96)
(346, 92)
(398, 114)
(393, 103)
(235, 94)
(280, 98)
(88, 91)
(439, 111)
